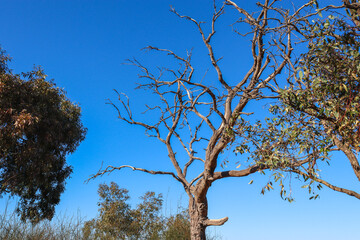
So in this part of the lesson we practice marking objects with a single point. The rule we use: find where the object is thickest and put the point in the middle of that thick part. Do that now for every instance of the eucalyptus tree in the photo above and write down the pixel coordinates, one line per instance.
(39, 127)
(204, 119)
(117, 220)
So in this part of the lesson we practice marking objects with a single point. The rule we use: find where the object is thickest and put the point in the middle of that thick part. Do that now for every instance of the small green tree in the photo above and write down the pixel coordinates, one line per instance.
(39, 127)
(117, 220)
(149, 220)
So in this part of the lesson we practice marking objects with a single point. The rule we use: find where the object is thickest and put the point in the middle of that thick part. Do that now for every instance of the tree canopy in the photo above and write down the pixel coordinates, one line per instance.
(39, 127)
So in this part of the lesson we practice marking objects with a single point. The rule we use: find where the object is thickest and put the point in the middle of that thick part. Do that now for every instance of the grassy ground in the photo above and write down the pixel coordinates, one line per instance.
(12, 228)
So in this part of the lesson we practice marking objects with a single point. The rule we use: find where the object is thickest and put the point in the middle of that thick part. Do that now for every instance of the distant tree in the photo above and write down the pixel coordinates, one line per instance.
(205, 115)
(39, 127)
(117, 220)
(148, 215)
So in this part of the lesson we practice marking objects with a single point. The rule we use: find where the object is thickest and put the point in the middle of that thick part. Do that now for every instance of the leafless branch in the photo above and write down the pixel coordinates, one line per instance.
(110, 169)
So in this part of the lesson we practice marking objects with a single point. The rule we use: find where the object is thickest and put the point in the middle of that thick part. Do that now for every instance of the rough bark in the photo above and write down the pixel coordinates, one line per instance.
(198, 215)
(198, 211)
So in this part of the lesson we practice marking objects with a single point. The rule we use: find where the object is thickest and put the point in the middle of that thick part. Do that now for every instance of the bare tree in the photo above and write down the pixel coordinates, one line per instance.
(196, 115)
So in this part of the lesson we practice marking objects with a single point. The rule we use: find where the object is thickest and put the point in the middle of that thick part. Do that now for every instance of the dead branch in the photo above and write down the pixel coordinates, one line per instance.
(110, 169)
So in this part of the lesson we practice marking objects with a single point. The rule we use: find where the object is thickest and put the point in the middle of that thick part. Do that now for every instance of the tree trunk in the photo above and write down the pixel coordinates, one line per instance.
(198, 216)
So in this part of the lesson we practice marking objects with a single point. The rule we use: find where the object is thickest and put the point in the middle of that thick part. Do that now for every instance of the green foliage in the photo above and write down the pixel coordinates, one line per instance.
(279, 141)
(147, 213)
(39, 127)
(117, 220)
(328, 93)
(320, 105)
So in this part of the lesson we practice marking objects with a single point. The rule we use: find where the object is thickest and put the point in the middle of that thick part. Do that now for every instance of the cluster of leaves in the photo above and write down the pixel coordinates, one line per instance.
(39, 127)
(280, 144)
(117, 220)
(328, 83)
(322, 104)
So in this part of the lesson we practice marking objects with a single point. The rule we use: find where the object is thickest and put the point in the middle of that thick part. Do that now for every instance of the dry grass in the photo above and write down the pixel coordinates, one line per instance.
(12, 228)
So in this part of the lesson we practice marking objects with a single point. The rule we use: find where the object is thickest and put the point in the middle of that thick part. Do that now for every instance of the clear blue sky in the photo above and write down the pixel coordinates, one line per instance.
(82, 43)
